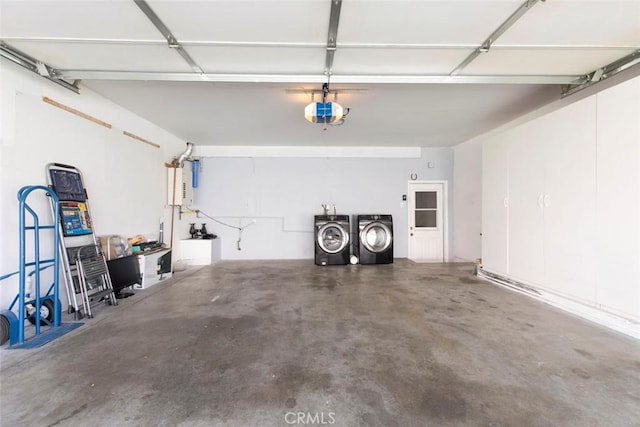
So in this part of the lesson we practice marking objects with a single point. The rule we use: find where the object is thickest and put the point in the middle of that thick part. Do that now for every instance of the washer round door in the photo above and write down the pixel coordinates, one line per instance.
(376, 237)
(332, 238)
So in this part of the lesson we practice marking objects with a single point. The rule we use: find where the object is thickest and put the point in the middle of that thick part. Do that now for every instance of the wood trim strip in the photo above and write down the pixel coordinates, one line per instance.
(131, 135)
(76, 112)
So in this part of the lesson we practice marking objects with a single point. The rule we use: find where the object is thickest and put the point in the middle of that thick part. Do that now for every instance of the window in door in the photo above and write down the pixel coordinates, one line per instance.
(426, 210)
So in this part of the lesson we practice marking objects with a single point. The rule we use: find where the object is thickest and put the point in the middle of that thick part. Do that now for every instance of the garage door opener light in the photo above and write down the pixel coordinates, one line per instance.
(325, 112)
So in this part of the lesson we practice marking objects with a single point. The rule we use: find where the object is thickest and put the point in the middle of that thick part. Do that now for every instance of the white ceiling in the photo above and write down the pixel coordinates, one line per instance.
(272, 46)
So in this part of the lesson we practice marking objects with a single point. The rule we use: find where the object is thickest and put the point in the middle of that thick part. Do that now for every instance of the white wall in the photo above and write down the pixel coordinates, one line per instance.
(467, 201)
(282, 194)
(125, 178)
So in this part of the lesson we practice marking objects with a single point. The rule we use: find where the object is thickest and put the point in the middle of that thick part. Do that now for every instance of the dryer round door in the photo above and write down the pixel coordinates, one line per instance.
(376, 237)
(332, 238)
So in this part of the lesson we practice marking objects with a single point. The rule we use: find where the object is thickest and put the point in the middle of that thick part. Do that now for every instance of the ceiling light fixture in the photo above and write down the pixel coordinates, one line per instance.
(324, 112)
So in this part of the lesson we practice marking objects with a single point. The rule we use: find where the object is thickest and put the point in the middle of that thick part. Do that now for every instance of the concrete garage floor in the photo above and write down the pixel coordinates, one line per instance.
(266, 343)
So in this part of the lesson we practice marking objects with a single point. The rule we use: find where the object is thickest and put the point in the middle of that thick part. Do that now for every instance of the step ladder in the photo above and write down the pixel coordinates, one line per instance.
(86, 274)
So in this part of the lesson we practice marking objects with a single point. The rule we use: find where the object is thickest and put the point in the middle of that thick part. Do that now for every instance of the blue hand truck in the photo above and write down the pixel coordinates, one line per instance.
(40, 309)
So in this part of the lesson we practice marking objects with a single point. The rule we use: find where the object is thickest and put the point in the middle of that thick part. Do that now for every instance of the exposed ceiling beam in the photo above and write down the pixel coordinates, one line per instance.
(166, 33)
(332, 37)
(318, 78)
(486, 45)
(610, 70)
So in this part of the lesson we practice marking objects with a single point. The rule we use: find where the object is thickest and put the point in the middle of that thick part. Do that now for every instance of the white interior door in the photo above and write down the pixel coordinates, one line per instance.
(427, 221)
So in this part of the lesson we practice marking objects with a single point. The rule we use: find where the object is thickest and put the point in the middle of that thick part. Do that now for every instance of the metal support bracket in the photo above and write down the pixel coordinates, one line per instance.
(35, 66)
(486, 45)
(332, 37)
(610, 70)
(166, 33)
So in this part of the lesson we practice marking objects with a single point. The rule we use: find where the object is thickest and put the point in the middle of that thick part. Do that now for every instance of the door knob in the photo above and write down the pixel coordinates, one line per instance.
(411, 234)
